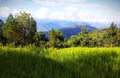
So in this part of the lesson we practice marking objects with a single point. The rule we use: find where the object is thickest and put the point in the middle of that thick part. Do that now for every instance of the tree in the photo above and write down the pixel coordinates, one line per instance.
(73, 41)
(2, 38)
(110, 37)
(27, 25)
(52, 37)
(118, 38)
(59, 39)
(83, 37)
(59, 35)
(56, 38)
(41, 39)
(9, 28)
(32, 31)
(20, 29)
(1, 24)
(99, 40)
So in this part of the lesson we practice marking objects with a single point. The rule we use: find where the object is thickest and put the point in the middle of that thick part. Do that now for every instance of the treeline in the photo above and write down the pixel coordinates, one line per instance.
(108, 37)
(20, 30)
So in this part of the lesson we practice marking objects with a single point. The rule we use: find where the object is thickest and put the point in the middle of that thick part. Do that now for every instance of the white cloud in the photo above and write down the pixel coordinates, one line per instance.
(88, 6)
(71, 1)
(88, 16)
(57, 15)
(71, 9)
(14, 11)
(4, 11)
(68, 13)
(116, 17)
(37, 1)
(57, 2)
(46, 2)
(71, 13)
(42, 13)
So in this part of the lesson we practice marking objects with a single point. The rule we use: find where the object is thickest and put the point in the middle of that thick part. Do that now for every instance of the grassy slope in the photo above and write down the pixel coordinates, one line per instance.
(61, 63)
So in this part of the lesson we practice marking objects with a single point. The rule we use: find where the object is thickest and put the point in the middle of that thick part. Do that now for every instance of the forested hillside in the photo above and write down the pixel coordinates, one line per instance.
(20, 30)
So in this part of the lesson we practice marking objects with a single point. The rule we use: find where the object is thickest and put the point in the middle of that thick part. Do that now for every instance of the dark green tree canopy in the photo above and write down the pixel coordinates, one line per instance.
(111, 35)
(1, 24)
(20, 28)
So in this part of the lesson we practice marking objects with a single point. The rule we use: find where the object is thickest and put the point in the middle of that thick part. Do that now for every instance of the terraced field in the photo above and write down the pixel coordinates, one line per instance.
(76, 62)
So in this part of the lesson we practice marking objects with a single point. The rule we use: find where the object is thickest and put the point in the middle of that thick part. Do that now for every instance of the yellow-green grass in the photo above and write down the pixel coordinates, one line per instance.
(75, 62)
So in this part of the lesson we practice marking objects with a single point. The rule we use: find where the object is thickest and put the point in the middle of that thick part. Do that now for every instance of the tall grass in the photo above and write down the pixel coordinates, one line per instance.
(31, 62)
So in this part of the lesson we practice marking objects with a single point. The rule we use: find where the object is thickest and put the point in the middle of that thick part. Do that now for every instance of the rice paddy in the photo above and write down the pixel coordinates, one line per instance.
(75, 62)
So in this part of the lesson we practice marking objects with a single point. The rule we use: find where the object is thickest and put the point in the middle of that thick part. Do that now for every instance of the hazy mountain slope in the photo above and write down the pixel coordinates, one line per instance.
(69, 31)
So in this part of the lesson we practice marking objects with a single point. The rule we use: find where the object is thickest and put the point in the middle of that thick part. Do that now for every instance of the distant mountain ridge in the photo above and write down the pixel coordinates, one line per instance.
(47, 24)
(69, 31)
(74, 30)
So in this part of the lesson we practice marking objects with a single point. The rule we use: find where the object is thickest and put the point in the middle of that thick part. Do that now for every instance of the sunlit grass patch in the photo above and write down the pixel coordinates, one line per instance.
(75, 62)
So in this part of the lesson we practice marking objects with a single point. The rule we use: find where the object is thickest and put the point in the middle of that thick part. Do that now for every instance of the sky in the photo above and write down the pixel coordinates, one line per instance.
(77, 10)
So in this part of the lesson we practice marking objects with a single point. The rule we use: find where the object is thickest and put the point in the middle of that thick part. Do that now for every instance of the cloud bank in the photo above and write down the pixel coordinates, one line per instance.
(77, 10)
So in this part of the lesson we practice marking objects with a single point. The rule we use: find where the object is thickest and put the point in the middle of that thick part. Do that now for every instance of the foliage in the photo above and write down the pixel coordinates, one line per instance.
(111, 35)
(2, 38)
(20, 29)
(59, 63)
(83, 37)
(9, 28)
(41, 39)
(73, 41)
(52, 37)
(56, 39)
(27, 25)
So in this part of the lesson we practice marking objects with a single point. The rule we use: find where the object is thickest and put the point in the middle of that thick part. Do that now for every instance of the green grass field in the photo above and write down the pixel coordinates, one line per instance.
(59, 63)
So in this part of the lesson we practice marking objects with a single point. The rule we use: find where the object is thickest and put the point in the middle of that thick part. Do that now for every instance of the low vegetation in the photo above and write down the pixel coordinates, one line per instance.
(31, 62)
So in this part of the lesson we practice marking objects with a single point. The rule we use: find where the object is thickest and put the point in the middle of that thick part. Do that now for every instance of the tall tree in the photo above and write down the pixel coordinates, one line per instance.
(2, 38)
(83, 37)
(27, 25)
(118, 38)
(1, 23)
(20, 29)
(56, 38)
(59, 39)
(9, 28)
(52, 37)
(110, 37)
(32, 30)
(59, 35)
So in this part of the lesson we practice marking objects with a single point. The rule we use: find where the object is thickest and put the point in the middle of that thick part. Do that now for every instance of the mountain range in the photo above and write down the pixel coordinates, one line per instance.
(47, 24)
(69, 31)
